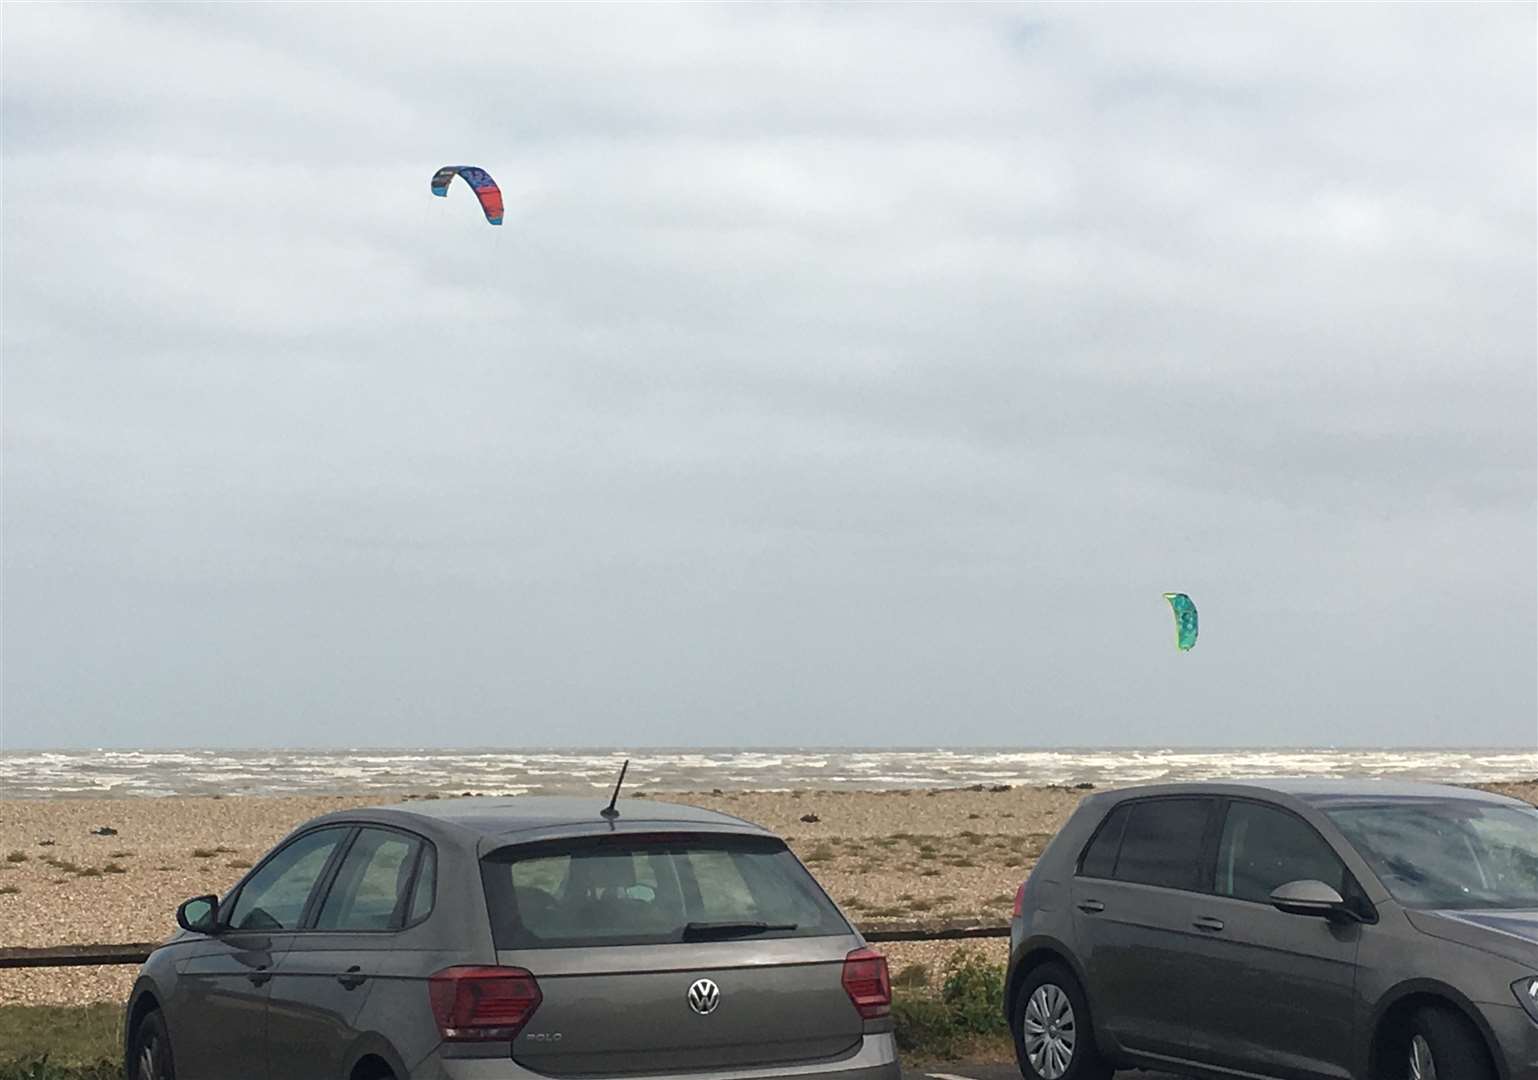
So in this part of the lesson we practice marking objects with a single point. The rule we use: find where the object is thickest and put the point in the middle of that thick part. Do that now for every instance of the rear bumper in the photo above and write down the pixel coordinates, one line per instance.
(875, 1060)
(1516, 1038)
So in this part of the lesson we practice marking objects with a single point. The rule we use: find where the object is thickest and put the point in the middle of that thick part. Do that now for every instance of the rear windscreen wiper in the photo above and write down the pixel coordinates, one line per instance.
(695, 930)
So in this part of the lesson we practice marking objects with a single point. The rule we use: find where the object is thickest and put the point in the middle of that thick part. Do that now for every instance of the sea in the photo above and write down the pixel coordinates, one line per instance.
(44, 774)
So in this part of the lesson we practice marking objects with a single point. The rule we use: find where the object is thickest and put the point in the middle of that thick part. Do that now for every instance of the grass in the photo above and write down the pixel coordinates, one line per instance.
(45, 1042)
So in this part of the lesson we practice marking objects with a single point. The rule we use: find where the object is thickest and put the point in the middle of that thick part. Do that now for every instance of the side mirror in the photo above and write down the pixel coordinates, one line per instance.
(200, 915)
(1308, 898)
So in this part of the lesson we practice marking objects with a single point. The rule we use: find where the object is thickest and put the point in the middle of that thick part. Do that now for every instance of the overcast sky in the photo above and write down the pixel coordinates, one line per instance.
(841, 376)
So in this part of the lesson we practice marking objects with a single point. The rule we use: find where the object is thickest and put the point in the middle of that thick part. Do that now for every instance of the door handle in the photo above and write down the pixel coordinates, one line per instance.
(1091, 907)
(1208, 923)
(352, 978)
(260, 977)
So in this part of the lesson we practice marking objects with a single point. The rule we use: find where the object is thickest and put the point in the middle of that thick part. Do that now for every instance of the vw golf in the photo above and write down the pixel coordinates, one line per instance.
(1289, 930)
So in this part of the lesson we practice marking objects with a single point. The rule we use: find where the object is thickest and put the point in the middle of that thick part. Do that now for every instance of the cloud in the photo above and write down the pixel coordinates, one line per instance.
(842, 374)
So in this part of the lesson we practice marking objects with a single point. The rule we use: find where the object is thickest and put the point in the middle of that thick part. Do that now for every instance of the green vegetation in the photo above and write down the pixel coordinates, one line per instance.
(44, 1042)
(966, 1017)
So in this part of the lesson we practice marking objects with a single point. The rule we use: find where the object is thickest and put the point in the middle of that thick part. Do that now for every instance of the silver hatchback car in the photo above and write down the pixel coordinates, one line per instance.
(493, 939)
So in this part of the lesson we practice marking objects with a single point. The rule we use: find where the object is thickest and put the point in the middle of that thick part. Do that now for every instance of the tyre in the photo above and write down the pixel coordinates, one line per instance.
(150, 1057)
(1442, 1045)
(1050, 1023)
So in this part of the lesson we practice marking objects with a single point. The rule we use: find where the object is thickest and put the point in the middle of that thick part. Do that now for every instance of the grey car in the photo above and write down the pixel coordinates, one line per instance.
(493, 939)
(1290, 930)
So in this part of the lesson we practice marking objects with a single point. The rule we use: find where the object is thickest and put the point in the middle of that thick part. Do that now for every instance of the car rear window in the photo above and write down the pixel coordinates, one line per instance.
(652, 890)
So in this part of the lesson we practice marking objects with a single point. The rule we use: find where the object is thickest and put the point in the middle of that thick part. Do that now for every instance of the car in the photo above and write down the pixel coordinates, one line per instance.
(501, 938)
(1288, 930)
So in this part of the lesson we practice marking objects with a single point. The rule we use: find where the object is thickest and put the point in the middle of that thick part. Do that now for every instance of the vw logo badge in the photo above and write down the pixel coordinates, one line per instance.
(704, 996)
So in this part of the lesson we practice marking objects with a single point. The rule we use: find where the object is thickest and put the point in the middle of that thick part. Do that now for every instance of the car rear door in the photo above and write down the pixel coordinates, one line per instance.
(329, 970)
(1273, 993)
(1134, 900)
(687, 953)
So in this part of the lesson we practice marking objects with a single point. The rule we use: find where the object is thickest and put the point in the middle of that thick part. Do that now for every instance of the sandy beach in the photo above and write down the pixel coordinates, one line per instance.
(884, 856)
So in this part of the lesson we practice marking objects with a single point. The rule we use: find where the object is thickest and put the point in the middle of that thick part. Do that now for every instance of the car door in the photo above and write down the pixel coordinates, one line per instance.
(329, 970)
(1134, 908)
(1274, 993)
(218, 1019)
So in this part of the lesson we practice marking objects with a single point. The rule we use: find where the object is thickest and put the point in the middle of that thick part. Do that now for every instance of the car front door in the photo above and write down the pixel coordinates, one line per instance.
(1134, 909)
(1274, 993)
(218, 1019)
(329, 971)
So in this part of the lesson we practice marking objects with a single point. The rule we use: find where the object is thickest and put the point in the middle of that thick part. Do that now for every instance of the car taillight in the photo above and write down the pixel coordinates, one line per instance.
(867, 983)
(1019, 901)
(474, 1004)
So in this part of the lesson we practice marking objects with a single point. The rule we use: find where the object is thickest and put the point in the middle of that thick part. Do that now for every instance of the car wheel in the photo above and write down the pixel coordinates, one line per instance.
(1441, 1045)
(1053, 1040)
(151, 1056)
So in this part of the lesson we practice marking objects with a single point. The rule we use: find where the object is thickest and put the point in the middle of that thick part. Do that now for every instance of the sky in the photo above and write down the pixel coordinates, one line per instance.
(842, 375)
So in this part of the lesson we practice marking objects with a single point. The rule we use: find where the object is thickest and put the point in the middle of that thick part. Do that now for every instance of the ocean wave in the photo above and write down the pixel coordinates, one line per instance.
(114, 773)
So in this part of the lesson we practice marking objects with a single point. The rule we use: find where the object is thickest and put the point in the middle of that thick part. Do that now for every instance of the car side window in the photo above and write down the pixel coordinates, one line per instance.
(426, 887)
(275, 896)
(1100, 857)
(1263, 847)
(1162, 843)
(370, 886)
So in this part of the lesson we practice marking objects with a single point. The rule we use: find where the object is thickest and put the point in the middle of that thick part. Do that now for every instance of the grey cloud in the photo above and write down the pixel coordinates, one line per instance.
(843, 374)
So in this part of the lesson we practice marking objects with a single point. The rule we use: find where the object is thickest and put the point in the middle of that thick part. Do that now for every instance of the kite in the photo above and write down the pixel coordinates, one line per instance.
(480, 182)
(1185, 619)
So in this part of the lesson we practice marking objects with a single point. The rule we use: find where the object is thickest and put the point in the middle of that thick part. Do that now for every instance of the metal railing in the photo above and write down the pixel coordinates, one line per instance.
(138, 951)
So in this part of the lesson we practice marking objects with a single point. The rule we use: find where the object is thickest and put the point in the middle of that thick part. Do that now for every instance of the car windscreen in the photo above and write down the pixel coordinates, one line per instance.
(1448, 854)
(648, 890)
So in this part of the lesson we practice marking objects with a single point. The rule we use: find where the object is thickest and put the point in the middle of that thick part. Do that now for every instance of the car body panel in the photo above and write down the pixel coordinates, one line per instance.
(1137, 951)
(1274, 989)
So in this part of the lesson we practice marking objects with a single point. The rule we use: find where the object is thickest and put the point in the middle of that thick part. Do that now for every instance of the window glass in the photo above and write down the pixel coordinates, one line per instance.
(371, 884)
(1162, 843)
(1453, 853)
(1263, 847)
(1100, 858)
(652, 891)
(425, 888)
(274, 897)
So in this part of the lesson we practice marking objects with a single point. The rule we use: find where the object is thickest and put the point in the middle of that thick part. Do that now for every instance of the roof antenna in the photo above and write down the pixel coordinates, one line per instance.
(609, 811)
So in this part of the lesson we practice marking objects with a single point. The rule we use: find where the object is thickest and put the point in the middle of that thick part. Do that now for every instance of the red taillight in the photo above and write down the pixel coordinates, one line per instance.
(1019, 901)
(478, 1003)
(867, 983)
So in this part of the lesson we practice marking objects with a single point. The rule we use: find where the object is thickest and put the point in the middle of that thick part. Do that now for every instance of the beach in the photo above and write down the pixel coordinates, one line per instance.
(904, 856)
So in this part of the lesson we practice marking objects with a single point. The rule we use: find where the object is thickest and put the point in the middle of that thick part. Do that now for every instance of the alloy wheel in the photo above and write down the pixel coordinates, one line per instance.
(1050, 1032)
(148, 1069)
(1422, 1065)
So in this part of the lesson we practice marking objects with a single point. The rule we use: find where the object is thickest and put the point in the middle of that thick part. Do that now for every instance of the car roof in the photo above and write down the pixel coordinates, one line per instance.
(526, 818)
(1332, 791)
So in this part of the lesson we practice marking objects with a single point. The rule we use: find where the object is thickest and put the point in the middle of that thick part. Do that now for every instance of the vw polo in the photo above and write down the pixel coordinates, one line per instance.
(493, 939)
